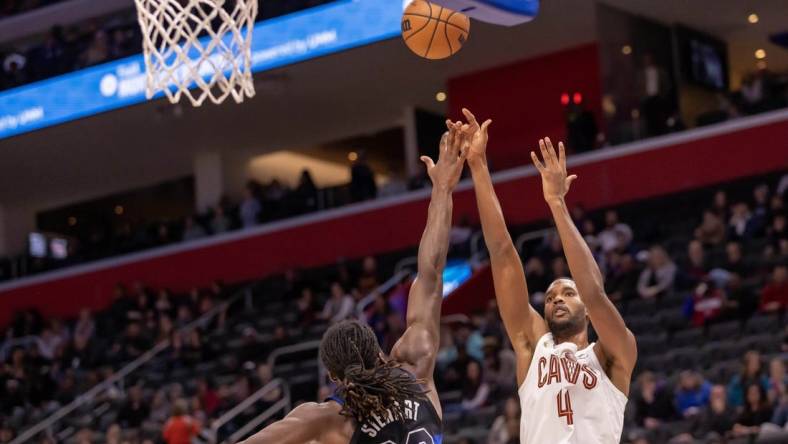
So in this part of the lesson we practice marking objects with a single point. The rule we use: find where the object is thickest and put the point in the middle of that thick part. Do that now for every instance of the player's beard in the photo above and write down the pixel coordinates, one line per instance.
(569, 326)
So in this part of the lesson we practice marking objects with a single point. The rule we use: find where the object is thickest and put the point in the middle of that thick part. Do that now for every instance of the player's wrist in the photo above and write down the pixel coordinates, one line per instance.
(555, 201)
(477, 163)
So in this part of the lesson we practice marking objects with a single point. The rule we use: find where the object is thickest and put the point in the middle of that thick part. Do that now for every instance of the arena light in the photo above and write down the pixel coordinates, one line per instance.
(352, 156)
(565, 99)
(577, 98)
(760, 54)
(626, 50)
(753, 18)
(440, 96)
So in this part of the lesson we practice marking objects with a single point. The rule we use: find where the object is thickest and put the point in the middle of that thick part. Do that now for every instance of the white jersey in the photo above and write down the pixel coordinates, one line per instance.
(567, 398)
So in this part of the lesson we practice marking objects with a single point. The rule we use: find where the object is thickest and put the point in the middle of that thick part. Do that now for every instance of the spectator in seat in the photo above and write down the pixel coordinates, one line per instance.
(192, 230)
(718, 420)
(616, 235)
(756, 412)
(180, 428)
(113, 435)
(500, 367)
(135, 410)
(653, 88)
(659, 275)
(696, 268)
(536, 276)
(719, 205)
(362, 180)
(740, 301)
(705, 305)
(761, 210)
(209, 399)
(250, 208)
(752, 373)
(777, 381)
(774, 296)
(339, 306)
(368, 280)
(623, 276)
(499, 432)
(305, 307)
(475, 390)
(711, 231)
(219, 222)
(85, 326)
(739, 225)
(777, 236)
(692, 394)
(653, 403)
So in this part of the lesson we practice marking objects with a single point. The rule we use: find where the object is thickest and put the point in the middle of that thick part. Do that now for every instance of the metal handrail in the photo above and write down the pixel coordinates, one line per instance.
(284, 404)
(120, 375)
(382, 289)
(212, 433)
(304, 346)
(406, 262)
(531, 235)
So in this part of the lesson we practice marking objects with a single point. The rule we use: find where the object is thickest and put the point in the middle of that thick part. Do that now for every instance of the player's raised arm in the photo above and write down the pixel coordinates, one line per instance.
(303, 424)
(523, 324)
(419, 344)
(618, 343)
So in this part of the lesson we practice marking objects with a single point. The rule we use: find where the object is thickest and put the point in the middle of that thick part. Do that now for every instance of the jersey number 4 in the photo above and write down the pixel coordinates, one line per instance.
(564, 406)
(419, 436)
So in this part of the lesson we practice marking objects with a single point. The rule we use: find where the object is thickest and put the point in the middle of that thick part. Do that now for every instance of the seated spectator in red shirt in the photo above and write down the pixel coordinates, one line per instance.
(706, 304)
(180, 428)
(774, 296)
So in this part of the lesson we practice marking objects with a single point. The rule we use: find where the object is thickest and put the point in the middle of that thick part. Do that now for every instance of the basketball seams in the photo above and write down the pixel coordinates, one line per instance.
(446, 32)
(437, 20)
(429, 19)
(440, 11)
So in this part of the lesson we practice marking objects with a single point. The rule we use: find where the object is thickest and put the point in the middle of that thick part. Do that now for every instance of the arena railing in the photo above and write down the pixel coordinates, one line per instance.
(211, 434)
(531, 235)
(124, 372)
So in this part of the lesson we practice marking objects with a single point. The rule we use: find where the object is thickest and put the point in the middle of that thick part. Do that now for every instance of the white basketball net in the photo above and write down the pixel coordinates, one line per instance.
(199, 44)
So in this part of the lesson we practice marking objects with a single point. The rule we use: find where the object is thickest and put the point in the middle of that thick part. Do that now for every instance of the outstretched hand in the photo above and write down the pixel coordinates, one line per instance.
(451, 158)
(555, 182)
(477, 136)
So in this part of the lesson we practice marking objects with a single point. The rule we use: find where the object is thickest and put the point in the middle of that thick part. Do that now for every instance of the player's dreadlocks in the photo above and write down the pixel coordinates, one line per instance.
(367, 383)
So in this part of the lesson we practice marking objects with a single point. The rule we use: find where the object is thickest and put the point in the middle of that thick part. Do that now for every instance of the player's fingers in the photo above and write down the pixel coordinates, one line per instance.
(536, 162)
(486, 125)
(570, 179)
(553, 160)
(469, 115)
(562, 155)
(543, 149)
(459, 140)
(428, 162)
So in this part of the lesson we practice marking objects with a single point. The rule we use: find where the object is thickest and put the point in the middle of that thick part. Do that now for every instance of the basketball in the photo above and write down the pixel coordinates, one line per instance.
(434, 32)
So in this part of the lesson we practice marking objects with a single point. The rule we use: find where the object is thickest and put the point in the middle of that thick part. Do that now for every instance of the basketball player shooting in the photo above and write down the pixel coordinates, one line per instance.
(380, 399)
(570, 391)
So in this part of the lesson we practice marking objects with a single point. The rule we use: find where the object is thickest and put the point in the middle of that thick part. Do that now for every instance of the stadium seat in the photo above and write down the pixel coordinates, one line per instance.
(689, 337)
(724, 331)
(650, 344)
(673, 319)
(641, 307)
(762, 324)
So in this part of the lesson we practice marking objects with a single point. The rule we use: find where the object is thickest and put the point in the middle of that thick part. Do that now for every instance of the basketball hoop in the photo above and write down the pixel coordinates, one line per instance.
(198, 48)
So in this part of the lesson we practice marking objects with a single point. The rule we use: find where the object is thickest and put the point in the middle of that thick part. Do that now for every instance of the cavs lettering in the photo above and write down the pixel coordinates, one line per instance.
(564, 368)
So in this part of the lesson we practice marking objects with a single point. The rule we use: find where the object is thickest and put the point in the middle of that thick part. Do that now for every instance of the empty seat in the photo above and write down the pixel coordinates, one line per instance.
(765, 343)
(722, 350)
(687, 338)
(673, 319)
(685, 358)
(641, 307)
(643, 324)
(724, 331)
(651, 344)
(762, 324)
(722, 372)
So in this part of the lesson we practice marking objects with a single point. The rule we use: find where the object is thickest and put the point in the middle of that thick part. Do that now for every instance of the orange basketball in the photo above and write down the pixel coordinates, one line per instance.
(432, 31)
